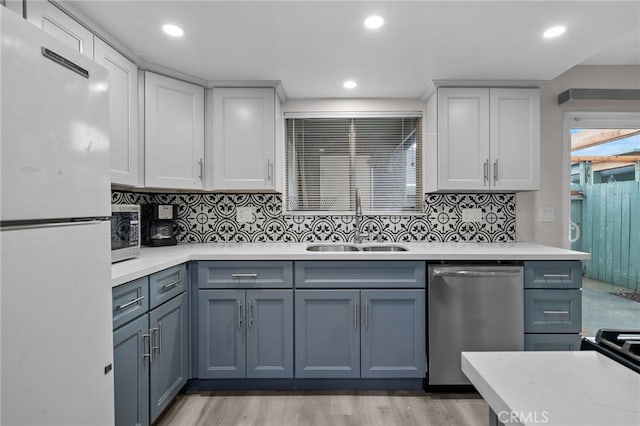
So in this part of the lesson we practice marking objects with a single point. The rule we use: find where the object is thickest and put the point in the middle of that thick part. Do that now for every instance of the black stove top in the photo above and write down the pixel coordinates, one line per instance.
(618, 344)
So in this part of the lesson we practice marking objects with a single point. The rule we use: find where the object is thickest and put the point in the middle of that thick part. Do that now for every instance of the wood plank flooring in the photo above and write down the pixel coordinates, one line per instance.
(379, 408)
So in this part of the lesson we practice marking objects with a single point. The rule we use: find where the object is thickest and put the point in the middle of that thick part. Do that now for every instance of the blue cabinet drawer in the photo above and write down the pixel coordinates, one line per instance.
(360, 274)
(551, 342)
(249, 275)
(552, 311)
(553, 274)
(129, 301)
(165, 285)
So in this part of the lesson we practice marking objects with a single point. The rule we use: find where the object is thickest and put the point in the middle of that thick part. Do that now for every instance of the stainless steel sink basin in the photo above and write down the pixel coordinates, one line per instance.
(332, 247)
(383, 248)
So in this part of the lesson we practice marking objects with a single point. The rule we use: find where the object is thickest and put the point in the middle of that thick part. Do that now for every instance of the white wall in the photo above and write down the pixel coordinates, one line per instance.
(551, 138)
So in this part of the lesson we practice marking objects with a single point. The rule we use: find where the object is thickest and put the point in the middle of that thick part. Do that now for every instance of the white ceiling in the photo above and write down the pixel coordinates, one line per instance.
(313, 46)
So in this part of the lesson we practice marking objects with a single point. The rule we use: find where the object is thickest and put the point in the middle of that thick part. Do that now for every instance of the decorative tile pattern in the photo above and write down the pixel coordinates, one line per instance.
(211, 217)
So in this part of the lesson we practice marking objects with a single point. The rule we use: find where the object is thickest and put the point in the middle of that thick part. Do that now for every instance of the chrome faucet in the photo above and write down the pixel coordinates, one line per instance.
(357, 236)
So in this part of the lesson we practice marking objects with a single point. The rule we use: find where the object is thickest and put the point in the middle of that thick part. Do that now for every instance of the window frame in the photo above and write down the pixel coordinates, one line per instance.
(419, 211)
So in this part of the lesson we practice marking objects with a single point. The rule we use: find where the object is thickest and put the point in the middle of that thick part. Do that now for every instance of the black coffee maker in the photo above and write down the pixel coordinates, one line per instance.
(159, 225)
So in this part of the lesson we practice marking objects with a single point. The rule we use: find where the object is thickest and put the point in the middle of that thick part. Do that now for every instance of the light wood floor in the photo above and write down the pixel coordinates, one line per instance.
(327, 409)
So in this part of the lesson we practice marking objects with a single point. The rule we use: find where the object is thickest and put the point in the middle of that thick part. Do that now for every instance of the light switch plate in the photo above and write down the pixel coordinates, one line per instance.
(472, 215)
(546, 214)
(244, 214)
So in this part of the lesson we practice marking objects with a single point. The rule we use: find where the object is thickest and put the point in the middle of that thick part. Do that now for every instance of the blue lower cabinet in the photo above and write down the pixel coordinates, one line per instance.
(245, 334)
(169, 352)
(131, 372)
(360, 333)
(150, 347)
(327, 336)
(552, 342)
(269, 333)
(393, 334)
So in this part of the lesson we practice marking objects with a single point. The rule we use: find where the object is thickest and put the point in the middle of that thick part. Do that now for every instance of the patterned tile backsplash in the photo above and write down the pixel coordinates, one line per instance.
(212, 218)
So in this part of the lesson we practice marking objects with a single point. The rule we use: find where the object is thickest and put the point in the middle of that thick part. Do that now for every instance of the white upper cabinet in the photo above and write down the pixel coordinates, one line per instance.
(123, 109)
(174, 133)
(514, 139)
(243, 143)
(61, 26)
(482, 139)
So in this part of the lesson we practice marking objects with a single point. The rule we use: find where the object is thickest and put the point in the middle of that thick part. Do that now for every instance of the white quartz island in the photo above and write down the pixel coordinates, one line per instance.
(583, 388)
(158, 258)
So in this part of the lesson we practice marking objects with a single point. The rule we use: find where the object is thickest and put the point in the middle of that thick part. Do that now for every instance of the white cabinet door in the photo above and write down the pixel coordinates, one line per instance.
(61, 26)
(123, 113)
(463, 138)
(487, 139)
(243, 139)
(515, 139)
(174, 133)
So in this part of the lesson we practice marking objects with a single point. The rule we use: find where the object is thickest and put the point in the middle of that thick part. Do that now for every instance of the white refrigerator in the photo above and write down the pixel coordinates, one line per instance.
(55, 319)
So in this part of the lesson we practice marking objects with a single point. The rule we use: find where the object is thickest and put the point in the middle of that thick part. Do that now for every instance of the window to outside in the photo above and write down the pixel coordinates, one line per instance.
(327, 159)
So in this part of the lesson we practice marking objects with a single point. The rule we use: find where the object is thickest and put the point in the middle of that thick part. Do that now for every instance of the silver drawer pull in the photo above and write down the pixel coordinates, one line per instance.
(130, 303)
(244, 275)
(170, 285)
(555, 312)
(556, 276)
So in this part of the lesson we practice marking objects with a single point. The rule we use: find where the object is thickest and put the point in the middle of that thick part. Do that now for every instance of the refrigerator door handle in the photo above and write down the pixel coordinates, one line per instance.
(50, 54)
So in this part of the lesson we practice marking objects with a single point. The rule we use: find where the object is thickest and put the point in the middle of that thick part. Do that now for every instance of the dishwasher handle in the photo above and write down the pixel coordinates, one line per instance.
(470, 273)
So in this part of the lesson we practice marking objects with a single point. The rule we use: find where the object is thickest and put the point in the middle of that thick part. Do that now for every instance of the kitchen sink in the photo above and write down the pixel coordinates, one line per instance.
(332, 247)
(349, 247)
(384, 248)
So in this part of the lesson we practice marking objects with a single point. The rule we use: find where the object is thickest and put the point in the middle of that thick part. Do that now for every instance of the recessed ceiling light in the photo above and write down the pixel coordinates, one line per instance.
(173, 30)
(349, 84)
(373, 22)
(555, 31)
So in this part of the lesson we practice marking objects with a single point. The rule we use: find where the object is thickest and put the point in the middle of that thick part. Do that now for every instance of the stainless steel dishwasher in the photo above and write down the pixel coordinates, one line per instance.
(472, 308)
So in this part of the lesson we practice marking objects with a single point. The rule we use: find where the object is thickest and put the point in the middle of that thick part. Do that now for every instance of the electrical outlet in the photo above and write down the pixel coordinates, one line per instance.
(244, 214)
(546, 214)
(472, 215)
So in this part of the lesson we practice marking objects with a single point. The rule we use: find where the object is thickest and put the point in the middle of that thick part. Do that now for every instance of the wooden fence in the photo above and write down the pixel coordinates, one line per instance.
(609, 218)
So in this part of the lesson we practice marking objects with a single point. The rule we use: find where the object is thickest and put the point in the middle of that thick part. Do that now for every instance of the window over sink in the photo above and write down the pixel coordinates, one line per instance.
(328, 158)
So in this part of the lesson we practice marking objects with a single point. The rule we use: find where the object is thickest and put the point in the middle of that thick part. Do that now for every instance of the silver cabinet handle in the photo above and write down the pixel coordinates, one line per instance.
(556, 276)
(148, 355)
(160, 337)
(250, 314)
(152, 334)
(366, 314)
(555, 312)
(201, 164)
(269, 170)
(171, 285)
(244, 275)
(239, 314)
(130, 303)
(355, 315)
(486, 172)
(495, 171)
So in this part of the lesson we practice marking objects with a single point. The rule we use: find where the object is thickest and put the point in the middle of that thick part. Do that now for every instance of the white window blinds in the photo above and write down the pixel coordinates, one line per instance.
(328, 158)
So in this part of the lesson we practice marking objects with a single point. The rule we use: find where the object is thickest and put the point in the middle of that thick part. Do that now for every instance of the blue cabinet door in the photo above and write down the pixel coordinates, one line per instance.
(221, 336)
(393, 338)
(131, 372)
(269, 329)
(169, 362)
(327, 334)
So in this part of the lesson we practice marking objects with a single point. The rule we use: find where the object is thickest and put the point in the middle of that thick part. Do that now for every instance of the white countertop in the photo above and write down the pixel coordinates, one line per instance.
(580, 388)
(158, 258)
